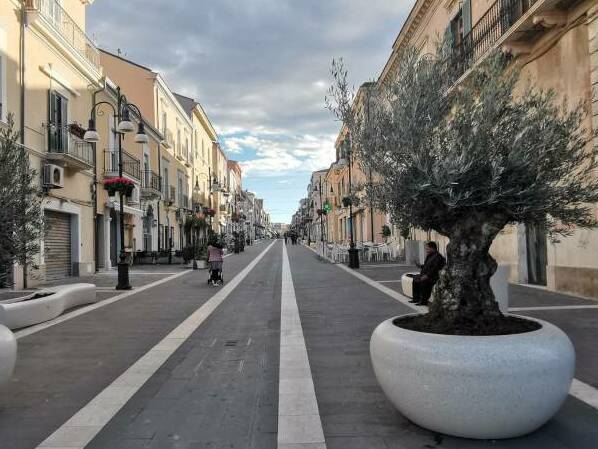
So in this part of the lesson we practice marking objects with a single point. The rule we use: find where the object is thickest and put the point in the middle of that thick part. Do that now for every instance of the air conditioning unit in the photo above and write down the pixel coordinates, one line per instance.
(53, 176)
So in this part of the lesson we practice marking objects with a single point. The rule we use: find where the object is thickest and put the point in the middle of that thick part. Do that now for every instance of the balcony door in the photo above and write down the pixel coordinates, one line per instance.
(58, 123)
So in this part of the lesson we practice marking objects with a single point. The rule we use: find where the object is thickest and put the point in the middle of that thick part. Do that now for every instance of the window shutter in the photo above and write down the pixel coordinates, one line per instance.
(466, 10)
(64, 138)
(52, 137)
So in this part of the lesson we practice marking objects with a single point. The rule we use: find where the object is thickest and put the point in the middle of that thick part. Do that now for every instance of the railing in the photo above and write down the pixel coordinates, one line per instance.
(489, 29)
(64, 24)
(61, 141)
(150, 180)
(131, 165)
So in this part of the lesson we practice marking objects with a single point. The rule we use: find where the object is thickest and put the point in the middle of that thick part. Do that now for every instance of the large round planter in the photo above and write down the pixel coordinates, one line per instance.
(487, 387)
(8, 354)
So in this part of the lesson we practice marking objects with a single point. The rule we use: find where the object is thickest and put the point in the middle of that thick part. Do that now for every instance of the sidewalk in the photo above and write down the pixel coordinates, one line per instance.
(339, 313)
(61, 368)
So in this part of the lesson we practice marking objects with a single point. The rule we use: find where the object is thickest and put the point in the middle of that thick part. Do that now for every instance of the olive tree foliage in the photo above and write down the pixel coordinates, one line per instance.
(467, 160)
(21, 219)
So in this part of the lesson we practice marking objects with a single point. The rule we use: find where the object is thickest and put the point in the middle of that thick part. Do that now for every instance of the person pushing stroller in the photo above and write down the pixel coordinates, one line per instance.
(215, 260)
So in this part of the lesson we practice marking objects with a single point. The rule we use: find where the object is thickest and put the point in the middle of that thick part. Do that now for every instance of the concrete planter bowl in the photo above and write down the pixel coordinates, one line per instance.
(45, 304)
(8, 354)
(487, 387)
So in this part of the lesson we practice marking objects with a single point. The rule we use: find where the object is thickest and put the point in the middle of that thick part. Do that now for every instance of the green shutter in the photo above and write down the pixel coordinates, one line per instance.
(449, 38)
(466, 11)
(52, 99)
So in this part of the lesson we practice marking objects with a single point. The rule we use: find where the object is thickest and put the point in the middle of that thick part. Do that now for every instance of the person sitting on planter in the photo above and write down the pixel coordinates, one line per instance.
(428, 276)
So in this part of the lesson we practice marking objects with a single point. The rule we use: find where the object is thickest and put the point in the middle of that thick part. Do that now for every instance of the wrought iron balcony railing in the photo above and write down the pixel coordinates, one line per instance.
(151, 181)
(495, 23)
(131, 165)
(64, 145)
(53, 13)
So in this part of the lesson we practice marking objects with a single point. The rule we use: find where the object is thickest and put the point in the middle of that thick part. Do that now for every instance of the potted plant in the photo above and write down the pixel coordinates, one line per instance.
(466, 162)
(118, 185)
(201, 256)
(346, 201)
(188, 255)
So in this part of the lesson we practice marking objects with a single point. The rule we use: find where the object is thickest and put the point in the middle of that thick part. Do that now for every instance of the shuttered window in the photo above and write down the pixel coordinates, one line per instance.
(466, 12)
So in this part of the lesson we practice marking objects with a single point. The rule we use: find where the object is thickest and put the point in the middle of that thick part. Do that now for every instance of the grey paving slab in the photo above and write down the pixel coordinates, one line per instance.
(338, 314)
(220, 388)
(523, 296)
(63, 367)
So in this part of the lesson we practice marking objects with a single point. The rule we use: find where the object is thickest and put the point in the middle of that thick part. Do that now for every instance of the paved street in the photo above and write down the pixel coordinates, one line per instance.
(185, 365)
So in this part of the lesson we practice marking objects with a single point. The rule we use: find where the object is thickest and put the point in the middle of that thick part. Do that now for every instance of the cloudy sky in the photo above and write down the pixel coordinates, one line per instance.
(260, 68)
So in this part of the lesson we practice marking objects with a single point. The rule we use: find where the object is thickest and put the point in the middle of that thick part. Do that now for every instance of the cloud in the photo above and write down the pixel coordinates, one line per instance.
(260, 68)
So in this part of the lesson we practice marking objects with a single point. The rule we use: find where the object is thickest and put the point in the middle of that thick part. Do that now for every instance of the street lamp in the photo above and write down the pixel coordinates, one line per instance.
(122, 116)
(353, 253)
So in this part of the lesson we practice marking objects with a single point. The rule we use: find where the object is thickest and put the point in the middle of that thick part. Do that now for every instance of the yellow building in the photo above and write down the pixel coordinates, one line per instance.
(555, 43)
(47, 84)
(220, 195)
(174, 160)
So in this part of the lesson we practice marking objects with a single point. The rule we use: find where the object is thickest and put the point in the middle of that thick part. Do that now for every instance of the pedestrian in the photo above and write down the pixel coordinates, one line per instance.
(286, 236)
(428, 276)
(215, 260)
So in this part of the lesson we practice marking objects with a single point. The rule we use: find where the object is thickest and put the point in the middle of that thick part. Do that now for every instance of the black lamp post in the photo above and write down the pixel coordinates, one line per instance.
(353, 253)
(122, 116)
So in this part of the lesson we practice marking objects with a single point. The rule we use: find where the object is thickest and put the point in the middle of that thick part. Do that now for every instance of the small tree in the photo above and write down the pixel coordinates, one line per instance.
(21, 215)
(467, 161)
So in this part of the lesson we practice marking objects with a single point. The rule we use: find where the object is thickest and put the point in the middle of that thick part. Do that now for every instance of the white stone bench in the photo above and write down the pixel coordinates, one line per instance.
(8, 354)
(45, 305)
(499, 283)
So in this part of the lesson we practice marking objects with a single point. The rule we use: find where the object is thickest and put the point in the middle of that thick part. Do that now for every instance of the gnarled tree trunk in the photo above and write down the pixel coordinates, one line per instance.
(462, 294)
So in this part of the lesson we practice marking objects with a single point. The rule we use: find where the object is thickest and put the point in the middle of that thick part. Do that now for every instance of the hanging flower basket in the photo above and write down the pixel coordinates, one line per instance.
(209, 211)
(118, 185)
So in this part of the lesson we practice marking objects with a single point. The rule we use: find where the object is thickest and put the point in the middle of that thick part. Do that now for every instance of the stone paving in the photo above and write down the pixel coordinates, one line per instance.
(219, 388)
(339, 313)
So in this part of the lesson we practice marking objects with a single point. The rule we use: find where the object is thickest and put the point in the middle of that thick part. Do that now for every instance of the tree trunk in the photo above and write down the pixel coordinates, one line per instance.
(462, 295)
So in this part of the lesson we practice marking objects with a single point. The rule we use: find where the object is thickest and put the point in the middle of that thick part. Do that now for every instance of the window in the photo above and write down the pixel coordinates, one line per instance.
(58, 121)
(165, 183)
(460, 26)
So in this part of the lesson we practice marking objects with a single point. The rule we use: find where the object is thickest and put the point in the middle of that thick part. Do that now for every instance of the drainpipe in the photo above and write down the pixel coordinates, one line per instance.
(160, 177)
(96, 243)
(22, 112)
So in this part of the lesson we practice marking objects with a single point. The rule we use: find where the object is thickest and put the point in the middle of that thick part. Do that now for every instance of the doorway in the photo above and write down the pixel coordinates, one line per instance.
(536, 254)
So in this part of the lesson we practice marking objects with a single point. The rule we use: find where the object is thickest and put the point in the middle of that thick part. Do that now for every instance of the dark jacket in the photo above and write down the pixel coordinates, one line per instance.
(433, 264)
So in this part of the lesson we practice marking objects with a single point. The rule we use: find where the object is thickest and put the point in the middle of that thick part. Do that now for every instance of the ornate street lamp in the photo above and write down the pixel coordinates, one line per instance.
(122, 116)
(353, 253)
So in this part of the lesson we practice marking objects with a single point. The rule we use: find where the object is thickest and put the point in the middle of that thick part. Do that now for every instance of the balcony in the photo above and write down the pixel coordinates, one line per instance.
(131, 165)
(69, 149)
(514, 24)
(50, 15)
(151, 187)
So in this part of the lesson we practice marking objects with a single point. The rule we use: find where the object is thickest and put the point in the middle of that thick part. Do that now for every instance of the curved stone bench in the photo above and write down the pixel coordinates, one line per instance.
(45, 305)
(407, 284)
(8, 354)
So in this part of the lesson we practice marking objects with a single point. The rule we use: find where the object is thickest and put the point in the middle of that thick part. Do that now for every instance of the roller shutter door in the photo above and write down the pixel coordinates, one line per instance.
(58, 246)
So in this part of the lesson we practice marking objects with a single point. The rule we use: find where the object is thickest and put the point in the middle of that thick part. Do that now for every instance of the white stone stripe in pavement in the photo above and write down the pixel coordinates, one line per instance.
(299, 424)
(580, 390)
(572, 307)
(75, 313)
(82, 427)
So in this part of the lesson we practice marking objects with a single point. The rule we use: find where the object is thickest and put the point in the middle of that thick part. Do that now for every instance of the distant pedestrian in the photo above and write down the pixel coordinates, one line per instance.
(428, 276)
(286, 236)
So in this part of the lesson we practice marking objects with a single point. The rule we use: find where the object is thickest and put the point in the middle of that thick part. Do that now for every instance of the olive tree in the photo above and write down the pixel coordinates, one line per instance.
(466, 160)
(21, 218)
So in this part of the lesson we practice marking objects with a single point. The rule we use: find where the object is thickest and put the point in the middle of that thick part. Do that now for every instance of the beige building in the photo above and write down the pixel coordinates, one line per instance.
(47, 84)
(220, 194)
(556, 45)
(175, 156)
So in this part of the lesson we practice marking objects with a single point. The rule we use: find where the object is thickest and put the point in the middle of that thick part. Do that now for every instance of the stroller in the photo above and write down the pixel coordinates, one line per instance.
(215, 271)
(215, 261)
